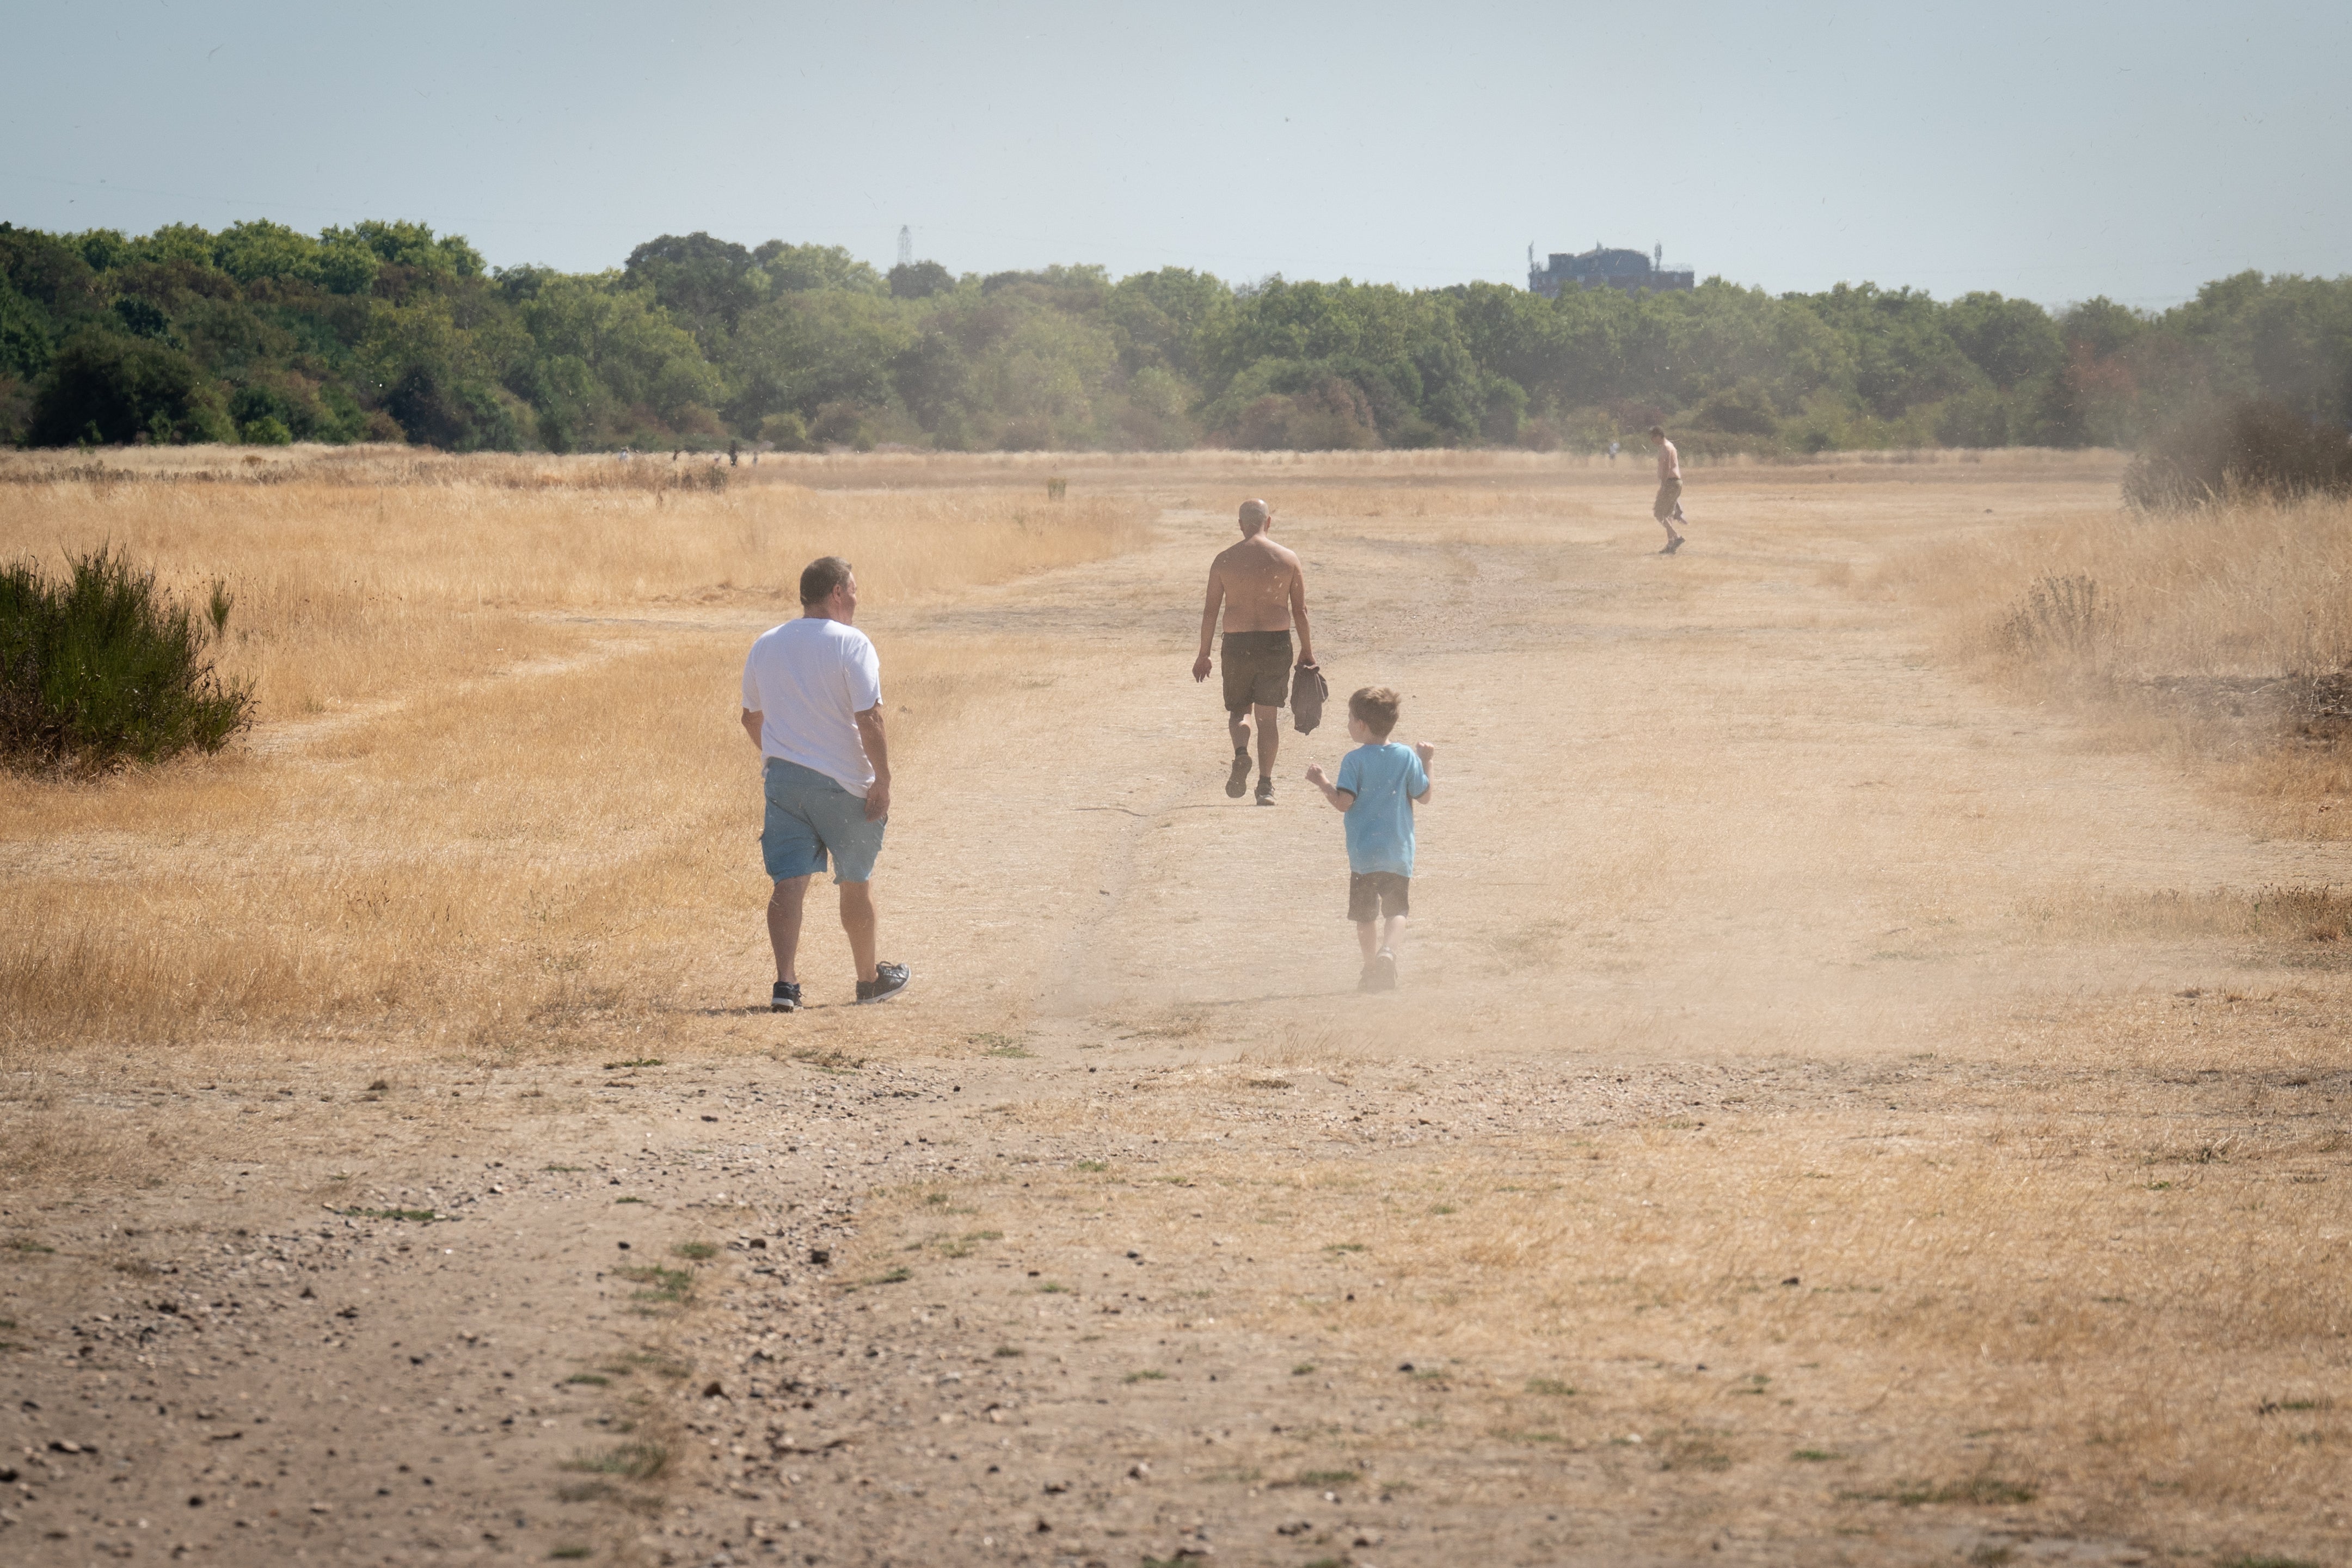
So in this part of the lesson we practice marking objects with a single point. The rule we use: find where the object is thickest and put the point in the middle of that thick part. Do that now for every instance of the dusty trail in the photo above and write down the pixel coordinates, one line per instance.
(1716, 803)
(1717, 844)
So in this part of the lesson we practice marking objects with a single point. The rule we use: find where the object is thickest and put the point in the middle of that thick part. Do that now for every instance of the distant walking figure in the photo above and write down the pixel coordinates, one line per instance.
(812, 704)
(1668, 508)
(1261, 590)
(1612, 452)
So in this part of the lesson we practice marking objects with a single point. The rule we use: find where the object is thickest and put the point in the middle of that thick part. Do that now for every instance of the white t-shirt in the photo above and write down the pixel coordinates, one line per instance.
(807, 680)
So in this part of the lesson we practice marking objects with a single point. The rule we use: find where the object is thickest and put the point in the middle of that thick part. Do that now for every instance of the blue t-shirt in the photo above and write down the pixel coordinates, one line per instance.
(1384, 778)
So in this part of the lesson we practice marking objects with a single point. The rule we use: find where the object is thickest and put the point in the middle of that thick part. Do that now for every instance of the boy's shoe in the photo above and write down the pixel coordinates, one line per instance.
(1380, 973)
(888, 980)
(1672, 545)
(786, 998)
(1265, 790)
(1369, 979)
(1238, 780)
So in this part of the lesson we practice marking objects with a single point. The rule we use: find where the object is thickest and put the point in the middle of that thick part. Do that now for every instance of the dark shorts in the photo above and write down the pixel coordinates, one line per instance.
(1256, 667)
(1378, 895)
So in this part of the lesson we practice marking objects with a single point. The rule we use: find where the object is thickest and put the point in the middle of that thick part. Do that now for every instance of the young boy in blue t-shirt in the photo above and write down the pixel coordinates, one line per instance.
(1378, 784)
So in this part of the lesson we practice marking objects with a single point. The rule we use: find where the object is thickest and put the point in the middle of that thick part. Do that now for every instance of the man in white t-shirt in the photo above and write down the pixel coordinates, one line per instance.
(812, 704)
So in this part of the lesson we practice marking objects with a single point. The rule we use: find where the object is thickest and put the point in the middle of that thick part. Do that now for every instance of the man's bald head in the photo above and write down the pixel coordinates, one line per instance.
(1255, 515)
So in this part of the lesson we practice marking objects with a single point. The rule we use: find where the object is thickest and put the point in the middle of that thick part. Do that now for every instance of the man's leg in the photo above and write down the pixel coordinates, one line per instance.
(1237, 780)
(784, 907)
(1269, 738)
(857, 919)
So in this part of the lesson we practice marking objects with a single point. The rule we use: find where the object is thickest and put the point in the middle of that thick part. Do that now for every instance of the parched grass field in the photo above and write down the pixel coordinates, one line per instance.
(1869, 1085)
(491, 773)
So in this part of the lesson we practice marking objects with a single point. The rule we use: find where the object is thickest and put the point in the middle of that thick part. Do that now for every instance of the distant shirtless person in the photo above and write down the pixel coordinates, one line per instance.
(1668, 508)
(1260, 588)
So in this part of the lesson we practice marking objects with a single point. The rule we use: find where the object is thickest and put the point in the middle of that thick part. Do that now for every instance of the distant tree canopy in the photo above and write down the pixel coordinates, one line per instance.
(387, 331)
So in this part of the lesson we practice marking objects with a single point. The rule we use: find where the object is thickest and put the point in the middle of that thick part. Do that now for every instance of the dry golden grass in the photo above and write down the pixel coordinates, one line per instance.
(354, 586)
(499, 779)
(2203, 634)
(2251, 589)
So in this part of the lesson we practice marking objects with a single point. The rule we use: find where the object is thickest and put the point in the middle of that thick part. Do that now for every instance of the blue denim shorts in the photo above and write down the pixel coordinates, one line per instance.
(809, 814)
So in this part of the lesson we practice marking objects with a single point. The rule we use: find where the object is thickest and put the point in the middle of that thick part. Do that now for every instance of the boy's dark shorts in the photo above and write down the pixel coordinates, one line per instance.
(1256, 669)
(1378, 895)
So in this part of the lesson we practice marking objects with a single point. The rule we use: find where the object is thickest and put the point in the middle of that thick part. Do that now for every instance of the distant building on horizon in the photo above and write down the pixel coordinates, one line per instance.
(1602, 268)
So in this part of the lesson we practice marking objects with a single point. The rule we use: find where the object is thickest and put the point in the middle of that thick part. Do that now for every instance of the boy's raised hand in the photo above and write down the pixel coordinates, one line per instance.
(1424, 753)
(1315, 774)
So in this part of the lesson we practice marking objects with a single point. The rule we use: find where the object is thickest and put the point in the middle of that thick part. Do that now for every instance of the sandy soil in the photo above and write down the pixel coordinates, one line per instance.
(1133, 1234)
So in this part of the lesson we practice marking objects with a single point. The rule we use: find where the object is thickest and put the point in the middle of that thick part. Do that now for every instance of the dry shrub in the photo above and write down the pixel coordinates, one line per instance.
(2060, 618)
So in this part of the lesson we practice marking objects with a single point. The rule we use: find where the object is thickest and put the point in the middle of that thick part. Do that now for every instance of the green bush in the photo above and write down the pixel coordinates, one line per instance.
(267, 430)
(104, 668)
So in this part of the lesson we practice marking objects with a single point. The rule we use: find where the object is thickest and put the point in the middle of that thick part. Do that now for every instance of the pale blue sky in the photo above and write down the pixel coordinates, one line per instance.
(2055, 151)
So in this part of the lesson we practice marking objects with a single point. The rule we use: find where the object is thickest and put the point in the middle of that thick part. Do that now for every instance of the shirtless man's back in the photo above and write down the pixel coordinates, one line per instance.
(1668, 508)
(1261, 591)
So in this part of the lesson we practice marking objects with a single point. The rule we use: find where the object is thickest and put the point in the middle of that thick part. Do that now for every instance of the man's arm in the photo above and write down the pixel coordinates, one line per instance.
(1209, 624)
(1428, 785)
(1298, 611)
(1340, 798)
(877, 752)
(752, 719)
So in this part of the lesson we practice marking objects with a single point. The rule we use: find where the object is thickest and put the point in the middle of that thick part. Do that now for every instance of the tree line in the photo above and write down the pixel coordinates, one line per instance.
(384, 332)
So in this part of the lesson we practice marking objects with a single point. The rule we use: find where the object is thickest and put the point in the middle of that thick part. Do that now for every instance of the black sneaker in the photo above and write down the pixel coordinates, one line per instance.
(786, 999)
(1238, 780)
(1265, 789)
(888, 980)
(1379, 975)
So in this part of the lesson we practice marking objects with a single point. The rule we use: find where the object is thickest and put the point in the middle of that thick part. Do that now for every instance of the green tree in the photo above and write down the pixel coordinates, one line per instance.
(799, 268)
(2012, 341)
(920, 280)
(802, 351)
(114, 389)
(706, 284)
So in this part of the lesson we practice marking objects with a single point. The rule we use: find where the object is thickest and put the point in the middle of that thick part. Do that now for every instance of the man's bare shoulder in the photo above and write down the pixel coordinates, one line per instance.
(1259, 553)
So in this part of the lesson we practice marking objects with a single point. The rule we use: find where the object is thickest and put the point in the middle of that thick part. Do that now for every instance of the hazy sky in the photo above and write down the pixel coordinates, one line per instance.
(2055, 151)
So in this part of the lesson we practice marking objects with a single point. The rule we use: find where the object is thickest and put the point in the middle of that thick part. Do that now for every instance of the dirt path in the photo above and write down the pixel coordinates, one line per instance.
(1727, 886)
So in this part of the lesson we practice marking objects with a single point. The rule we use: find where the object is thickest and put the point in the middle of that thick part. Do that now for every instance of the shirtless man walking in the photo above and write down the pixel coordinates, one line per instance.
(1668, 508)
(1259, 586)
